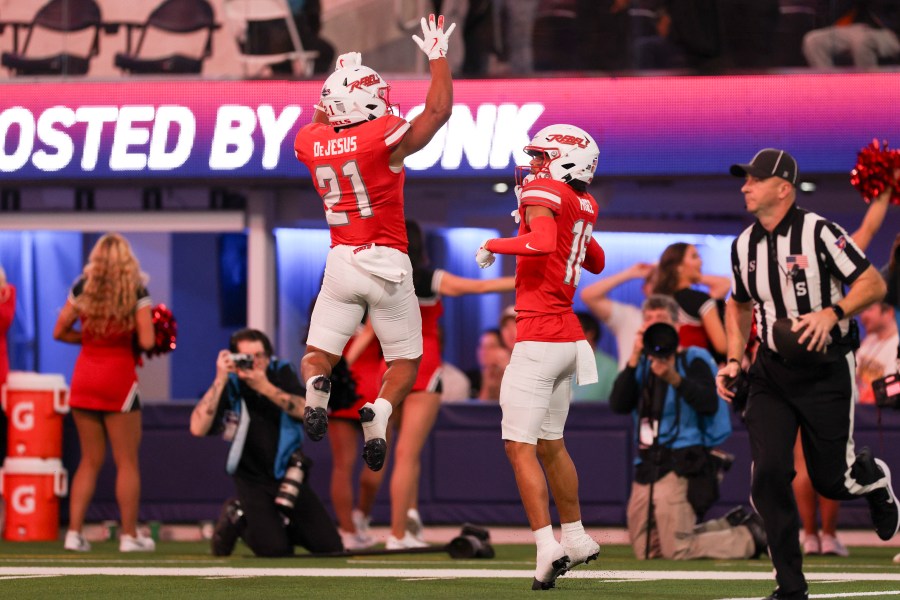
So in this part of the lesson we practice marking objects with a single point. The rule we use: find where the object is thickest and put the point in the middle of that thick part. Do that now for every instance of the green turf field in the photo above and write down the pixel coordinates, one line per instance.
(187, 570)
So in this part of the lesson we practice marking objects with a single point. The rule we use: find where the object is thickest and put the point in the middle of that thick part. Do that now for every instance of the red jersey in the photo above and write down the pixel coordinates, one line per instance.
(545, 284)
(363, 196)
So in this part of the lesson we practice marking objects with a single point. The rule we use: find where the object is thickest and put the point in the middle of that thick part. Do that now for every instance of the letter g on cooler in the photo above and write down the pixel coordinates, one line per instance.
(22, 416)
(23, 500)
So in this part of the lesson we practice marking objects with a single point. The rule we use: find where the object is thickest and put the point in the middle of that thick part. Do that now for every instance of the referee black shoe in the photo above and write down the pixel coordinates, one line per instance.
(883, 505)
(779, 595)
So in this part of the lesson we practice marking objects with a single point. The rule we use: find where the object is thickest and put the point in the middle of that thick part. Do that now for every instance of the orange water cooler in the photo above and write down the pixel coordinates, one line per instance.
(33, 479)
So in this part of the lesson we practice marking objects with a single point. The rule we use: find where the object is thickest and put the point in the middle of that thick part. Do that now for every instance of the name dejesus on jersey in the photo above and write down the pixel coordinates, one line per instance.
(335, 147)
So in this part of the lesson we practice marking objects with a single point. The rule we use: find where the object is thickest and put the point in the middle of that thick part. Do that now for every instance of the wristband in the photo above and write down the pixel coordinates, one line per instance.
(838, 311)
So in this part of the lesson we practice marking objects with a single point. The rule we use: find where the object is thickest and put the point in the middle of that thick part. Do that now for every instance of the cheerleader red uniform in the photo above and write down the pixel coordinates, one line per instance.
(7, 312)
(104, 378)
(367, 372)
(427, 282)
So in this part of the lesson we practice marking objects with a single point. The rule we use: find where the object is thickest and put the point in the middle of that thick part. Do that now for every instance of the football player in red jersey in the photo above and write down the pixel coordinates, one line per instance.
(354, 150)
(556, 219)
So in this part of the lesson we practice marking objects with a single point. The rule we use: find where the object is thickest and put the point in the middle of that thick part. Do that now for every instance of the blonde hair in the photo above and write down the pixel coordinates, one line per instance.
(112, 277)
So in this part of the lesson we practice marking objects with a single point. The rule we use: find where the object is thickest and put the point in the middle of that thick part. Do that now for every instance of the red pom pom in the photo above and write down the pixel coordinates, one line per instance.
(874, 172)
(164, 328)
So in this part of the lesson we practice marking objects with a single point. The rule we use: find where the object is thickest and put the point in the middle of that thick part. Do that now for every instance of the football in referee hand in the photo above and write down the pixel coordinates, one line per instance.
(788, 345)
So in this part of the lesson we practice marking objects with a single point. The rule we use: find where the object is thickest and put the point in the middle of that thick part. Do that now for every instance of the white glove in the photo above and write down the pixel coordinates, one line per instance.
(350, 59)
(435, 43)
(484, 257)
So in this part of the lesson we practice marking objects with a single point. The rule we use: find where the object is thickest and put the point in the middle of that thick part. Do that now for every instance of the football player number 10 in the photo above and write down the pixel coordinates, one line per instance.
(327, 179)
(581, 237)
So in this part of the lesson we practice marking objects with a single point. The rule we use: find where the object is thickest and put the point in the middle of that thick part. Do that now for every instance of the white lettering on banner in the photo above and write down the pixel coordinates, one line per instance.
(472, 136)
(148, 138)
(23, 499)
(504, 129)
(95, 117)
(232, 143)
(511, 133)
(59, 140)
(21, 121)
(128, 134)
(158, 159)
(274, 130)
(23, 416)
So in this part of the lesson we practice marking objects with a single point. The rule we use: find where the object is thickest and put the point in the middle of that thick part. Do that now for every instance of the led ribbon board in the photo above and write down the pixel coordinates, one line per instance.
(647, 126)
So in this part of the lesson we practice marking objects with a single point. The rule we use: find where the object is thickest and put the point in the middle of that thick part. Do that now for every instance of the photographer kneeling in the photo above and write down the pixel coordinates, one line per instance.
(256, 403)
(678, 417)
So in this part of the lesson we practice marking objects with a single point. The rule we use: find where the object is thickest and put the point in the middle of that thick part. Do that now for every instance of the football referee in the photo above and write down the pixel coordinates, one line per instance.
(794, 264)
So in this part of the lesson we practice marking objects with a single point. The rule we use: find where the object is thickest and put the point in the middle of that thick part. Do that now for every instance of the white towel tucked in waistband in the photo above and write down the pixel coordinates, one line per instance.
(586, 365)
(380, 261)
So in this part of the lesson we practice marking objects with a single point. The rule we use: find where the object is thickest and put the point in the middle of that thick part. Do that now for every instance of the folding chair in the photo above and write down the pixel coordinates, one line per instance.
(62, 17)
(178, 17)
(266, 35)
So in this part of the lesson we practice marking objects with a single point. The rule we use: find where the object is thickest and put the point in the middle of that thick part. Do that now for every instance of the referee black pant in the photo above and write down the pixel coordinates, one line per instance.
(819, 400)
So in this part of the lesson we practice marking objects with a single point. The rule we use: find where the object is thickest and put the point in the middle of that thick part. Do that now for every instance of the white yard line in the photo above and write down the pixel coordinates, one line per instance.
(405, 573)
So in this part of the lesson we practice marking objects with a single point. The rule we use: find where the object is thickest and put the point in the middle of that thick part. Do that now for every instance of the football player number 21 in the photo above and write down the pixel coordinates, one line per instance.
(581, 237)
(327, 178)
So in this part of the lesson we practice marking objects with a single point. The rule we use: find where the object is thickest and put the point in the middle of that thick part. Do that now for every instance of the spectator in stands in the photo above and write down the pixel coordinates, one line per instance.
(877, 354)
(508, 326)
(493, 358)
(624, 320)
(256, 403)
(515, 21)
(674, 403)
(111, 302)
(699, 322)
(867, 31)
(607, 370)
(653, 45)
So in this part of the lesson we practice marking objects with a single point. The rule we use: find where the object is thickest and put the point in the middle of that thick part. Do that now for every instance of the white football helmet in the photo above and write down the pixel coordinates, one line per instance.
(355, 94)
(569, 151)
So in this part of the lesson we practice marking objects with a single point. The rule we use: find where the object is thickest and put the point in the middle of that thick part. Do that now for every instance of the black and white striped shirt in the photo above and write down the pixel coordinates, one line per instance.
(801, 267)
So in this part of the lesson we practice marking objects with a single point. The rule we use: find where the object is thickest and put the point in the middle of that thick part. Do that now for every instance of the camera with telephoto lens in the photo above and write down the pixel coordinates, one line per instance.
(887, 391)
(660, 340)
(297, 469)
(243, 362)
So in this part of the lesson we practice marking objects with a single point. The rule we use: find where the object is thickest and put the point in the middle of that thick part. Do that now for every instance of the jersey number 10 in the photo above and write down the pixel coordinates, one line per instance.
(581, 237)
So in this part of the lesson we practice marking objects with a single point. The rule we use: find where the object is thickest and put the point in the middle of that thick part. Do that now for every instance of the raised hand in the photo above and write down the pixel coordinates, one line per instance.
(434, 39)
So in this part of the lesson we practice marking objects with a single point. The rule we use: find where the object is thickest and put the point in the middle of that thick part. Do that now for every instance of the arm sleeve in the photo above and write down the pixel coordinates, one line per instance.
(624, 396)
(698, 387)
(540, 240)
(595, 258)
